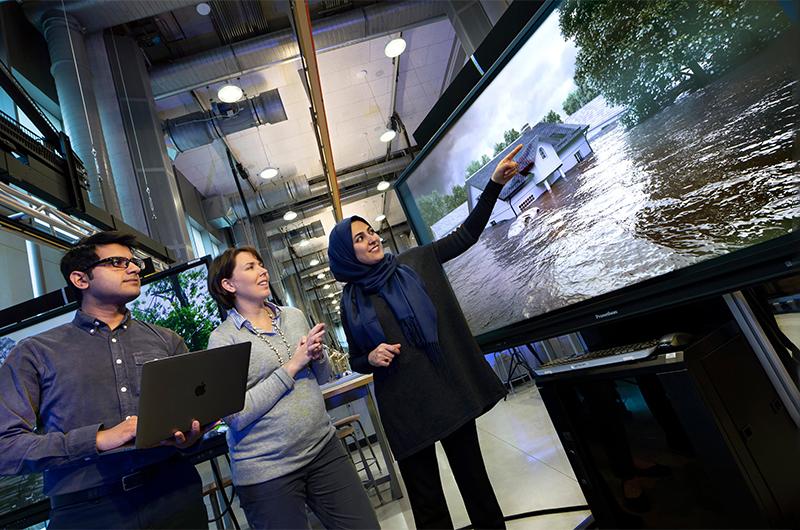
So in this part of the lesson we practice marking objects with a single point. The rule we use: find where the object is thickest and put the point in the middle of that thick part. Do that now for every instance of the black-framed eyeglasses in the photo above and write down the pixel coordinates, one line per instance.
(118, 262)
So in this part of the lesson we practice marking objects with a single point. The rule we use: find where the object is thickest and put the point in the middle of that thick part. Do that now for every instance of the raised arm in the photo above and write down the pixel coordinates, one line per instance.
(470, 230)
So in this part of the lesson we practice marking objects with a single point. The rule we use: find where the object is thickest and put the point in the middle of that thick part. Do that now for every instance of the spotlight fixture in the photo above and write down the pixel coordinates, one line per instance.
(229, 93)
(314, 262)
(321, 276)
(388, 135)
(268, 173)
(203, 9)
(383, 185)
(380, 218)
(291, 215)
(326, 286)
(395, 47)
(331, 295)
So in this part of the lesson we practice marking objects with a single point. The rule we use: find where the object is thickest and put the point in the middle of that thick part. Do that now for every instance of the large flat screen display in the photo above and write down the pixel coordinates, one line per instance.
(656, 134)
(178, 299)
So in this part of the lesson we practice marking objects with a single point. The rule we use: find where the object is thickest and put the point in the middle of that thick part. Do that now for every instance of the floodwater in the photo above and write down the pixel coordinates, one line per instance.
(713, 173)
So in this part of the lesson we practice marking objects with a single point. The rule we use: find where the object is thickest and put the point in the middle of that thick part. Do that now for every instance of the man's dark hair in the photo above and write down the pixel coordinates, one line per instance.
(222, 269)
(84, 253)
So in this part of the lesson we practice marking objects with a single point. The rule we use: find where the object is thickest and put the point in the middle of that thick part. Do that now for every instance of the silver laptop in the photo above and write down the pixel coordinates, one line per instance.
(204, 386)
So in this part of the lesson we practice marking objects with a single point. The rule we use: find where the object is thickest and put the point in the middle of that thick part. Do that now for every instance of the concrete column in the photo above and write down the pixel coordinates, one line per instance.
(153, 169)
(35, 268)
(73, 77)
(117, 142)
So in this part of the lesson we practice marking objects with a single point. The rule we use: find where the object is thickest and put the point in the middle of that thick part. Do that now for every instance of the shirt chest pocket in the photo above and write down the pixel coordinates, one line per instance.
(139, 359)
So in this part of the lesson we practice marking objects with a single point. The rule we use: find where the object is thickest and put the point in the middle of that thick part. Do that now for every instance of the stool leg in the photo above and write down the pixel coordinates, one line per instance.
(369, 445)
(370, 478)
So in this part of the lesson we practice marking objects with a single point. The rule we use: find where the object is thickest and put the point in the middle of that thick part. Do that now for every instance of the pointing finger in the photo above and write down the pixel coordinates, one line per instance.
(513, 153)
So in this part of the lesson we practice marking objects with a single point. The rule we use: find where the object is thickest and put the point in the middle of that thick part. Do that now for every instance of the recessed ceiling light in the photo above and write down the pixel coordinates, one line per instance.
(268, 173)
(321, 276)
(230, 93)
(383, 185)
(203, 9)
(361, 74)
(304, 243)
(314, 262)
(331, 295)
(326, 286)
(380, 218)
(290, 215)
(395, 47)
(388, 135)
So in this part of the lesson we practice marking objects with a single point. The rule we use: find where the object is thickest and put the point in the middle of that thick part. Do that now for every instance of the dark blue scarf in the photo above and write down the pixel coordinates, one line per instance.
(398, 285)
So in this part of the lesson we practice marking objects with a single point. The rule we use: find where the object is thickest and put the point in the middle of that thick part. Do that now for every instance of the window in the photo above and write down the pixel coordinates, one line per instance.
(542, 153)
(197, 241)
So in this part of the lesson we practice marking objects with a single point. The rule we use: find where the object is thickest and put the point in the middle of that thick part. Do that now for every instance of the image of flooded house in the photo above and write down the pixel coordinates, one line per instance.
(554, 148)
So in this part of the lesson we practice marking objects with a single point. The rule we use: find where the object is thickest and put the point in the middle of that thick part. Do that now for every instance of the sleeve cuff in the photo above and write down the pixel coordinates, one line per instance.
(82, 442)
(285, 378)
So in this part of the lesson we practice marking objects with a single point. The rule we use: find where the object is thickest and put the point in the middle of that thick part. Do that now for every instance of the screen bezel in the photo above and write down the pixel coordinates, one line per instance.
(745, 267)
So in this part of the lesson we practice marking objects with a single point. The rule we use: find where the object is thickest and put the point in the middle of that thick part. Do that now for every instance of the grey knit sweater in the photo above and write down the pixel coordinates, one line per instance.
(283, 425)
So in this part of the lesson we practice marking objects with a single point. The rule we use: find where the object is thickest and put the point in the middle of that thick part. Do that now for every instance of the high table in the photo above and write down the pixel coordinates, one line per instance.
(349, 389)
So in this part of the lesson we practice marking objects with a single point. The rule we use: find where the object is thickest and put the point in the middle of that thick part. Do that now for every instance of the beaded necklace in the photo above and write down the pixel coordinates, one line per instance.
(268, 342)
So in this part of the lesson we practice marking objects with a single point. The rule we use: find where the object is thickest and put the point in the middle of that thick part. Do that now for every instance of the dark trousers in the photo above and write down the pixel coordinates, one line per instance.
(171, 498)
(424, 485)
(329, 485)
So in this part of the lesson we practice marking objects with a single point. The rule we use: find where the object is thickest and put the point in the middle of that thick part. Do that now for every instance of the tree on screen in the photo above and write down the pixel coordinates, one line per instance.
(436, 205)
(552, 117)
(644, 53)
(180, 303)
(579, 97)
(475, 165)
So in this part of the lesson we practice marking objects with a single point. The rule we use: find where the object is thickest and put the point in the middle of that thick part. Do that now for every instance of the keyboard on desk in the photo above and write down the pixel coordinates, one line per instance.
(616, 355)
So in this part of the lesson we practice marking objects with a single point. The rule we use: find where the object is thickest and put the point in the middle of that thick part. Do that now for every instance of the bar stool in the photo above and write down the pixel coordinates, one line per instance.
(346, 430)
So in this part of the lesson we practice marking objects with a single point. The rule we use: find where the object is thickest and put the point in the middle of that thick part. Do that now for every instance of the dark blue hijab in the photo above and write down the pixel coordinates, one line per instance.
(398, 285)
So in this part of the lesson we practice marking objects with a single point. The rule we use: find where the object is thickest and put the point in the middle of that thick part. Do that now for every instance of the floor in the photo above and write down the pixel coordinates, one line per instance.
(526, 464)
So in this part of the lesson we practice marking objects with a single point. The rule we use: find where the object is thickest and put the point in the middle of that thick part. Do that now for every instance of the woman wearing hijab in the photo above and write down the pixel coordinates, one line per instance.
(404, 325)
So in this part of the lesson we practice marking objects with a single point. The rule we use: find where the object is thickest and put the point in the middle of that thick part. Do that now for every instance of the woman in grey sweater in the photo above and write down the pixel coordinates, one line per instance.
(404, 324)
(284, 454)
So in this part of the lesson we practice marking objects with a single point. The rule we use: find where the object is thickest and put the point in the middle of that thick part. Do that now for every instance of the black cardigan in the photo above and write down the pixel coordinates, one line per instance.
(420, 403)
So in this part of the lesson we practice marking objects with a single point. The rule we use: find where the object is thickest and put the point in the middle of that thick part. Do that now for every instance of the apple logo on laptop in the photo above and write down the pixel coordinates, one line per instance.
(200, 389)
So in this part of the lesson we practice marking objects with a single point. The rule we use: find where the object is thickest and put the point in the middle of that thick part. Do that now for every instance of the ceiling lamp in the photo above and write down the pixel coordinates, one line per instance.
(314, 262)
(381, 217)
(268, 173)
(331, 295)
(388, 135)
(395, 47)
(290, 215)
(326, 286)
(304, 243)
(321, 276)
(203, 9)
(383, 185)
(229, 93)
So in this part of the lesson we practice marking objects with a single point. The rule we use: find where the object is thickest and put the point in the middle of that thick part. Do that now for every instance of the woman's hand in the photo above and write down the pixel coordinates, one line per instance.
(307, 349)
(507, 167)
(383, 355)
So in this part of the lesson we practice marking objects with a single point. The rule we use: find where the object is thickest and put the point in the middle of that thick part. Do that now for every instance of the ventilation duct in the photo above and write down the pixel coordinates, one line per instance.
(223, 210)
(203, 127)
(261, 52)
(95, 15)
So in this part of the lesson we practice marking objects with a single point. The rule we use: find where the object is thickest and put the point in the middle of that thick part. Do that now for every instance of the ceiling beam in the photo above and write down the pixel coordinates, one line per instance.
(305, 40)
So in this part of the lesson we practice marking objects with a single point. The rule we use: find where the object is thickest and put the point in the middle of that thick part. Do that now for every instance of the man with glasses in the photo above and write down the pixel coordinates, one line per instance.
(68, 405)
